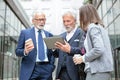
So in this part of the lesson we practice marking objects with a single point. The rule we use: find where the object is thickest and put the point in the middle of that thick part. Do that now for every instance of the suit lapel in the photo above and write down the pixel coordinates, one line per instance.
(32, 33)
(64, 36)
(46, 34)
(77, 32)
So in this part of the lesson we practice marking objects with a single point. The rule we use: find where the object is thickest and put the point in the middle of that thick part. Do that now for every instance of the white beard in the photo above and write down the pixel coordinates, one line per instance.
(69, 29)
(40, 27)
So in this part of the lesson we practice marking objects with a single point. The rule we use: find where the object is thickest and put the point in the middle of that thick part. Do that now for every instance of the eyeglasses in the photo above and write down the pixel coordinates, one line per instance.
(39, 19)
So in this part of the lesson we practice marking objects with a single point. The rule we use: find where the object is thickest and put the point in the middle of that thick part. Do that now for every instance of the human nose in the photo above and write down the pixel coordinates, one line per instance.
(66, 23)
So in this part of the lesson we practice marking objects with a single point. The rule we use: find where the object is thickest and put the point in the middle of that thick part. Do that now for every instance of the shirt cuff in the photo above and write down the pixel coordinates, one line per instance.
(53, 50)
(83, 58)
(25, 54)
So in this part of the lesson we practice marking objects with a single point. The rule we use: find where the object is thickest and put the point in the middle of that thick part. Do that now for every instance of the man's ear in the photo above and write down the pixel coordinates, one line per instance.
(33, 21)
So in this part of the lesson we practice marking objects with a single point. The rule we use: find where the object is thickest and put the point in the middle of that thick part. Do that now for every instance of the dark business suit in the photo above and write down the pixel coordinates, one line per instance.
(67, 62)
(28, 62)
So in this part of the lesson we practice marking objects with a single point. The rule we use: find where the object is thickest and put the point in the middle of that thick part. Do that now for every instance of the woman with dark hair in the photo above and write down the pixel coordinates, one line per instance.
(98, 57)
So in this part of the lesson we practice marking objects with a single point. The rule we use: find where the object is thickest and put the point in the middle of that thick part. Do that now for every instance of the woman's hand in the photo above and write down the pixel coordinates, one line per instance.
(77, 60)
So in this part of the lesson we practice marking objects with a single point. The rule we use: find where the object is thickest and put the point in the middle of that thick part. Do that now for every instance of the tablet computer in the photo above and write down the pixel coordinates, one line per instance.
(50, 41)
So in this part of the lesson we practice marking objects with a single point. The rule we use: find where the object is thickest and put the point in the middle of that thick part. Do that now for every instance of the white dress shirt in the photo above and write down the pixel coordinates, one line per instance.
(45, 48)
(70, 34)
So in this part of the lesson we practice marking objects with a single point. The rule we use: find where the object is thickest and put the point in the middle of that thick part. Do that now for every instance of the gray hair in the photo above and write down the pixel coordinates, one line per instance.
(70, 12)
(37, 12)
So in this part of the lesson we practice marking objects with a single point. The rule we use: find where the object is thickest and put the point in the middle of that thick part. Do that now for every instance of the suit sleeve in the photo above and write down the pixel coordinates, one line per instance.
(98, 45)
(20, 47)
(56, 53)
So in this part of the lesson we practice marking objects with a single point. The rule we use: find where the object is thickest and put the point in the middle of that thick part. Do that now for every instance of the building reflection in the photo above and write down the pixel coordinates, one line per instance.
(10, 27)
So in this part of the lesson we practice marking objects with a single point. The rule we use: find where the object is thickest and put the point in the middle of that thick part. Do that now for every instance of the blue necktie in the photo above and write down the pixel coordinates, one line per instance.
(41, 53)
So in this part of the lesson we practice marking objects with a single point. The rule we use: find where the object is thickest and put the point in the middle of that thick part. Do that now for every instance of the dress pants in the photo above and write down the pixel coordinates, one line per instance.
(64, 74)
(41, 72)
(98, 76)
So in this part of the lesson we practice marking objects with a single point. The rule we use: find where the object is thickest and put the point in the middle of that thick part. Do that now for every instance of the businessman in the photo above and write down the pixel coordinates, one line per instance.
(37, 61)
(74, 39)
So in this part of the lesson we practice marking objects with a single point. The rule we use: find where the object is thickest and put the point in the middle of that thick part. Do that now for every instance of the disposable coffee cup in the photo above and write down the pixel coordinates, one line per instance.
(29, 43)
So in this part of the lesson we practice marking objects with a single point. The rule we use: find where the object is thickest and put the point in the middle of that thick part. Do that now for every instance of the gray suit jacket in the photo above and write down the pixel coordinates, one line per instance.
(99, 53)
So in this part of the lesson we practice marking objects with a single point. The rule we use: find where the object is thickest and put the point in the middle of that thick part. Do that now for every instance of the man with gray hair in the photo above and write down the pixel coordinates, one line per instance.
(37, 60)
(66, 69)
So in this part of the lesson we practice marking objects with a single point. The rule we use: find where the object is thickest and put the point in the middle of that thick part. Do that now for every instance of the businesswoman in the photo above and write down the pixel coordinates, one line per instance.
(98, 57)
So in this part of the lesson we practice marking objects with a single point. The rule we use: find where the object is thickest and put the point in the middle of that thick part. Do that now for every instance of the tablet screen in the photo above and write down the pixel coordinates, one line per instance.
(50, 41)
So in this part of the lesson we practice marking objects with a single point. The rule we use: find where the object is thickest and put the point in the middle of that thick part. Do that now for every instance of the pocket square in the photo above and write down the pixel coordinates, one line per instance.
(76, 40)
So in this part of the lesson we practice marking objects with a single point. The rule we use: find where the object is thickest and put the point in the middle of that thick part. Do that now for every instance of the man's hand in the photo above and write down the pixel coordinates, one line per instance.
(28, 46)
(64, 47)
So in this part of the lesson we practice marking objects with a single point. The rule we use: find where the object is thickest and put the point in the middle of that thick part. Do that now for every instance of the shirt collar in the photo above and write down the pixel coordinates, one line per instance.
(36, 30)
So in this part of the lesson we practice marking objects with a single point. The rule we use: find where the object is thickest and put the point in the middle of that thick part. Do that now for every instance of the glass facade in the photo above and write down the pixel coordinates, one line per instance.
(109, 11)
(10, 27)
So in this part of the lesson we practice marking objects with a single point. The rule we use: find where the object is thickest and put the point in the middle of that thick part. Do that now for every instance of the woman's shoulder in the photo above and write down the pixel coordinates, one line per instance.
(94, 26)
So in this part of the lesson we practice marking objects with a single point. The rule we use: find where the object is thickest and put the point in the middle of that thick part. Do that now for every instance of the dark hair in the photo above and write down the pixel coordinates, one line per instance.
(88, 14)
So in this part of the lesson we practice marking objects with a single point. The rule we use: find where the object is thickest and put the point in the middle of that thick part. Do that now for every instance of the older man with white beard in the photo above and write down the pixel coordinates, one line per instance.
(74, 39)
(37, 60)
